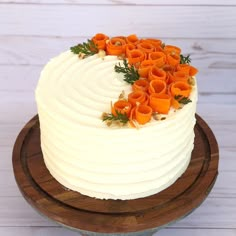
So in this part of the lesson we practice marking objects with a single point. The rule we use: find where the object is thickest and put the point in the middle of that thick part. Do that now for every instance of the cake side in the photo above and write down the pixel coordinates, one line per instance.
(85, 155)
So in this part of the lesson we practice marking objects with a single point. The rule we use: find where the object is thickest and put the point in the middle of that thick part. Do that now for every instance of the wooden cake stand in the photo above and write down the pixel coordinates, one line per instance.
(91, 216)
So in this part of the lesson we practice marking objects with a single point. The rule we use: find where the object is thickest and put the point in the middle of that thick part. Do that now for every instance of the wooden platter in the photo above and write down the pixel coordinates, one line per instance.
(87, 214)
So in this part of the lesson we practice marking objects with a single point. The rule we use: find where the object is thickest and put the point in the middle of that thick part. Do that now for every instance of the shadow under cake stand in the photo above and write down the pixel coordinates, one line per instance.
(91, 216)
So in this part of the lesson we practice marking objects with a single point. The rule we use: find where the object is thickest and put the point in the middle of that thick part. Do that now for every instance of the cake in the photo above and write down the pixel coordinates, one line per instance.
(87, 147)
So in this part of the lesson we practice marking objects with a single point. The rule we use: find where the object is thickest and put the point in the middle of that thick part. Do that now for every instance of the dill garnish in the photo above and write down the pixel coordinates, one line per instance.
(130, 72)
(120, 117)
(86, 49)
(185, 60)
(183, 100)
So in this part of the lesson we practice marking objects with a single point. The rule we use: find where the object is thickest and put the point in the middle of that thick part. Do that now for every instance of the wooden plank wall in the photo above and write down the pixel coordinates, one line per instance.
(33, 31)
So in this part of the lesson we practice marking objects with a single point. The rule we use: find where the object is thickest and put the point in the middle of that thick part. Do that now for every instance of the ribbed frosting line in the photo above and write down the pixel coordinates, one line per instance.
(180, 133)
(185, 113)
(113, 178)
(114, 168)
(139, 151)
(119, 188)
(51, 121)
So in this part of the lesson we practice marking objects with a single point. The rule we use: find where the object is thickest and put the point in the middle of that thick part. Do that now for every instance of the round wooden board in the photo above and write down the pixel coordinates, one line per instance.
(80, 212)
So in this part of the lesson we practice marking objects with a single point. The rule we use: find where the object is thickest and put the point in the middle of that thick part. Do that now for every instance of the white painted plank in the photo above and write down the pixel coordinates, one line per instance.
(6, 158)
(18, 106)
(217, 98)
(213, 213)
(196, 232)
(19, 78)
(8, 184)
(15, 50)
(225, 186)
(46, 231)
(222, 123)
(162, 21)
(8, 134)
(18, 112)
(59, 231)
(214, 113)
(205, 53)
(227, 158)
(14, 211)
(20, 50)
(125, 2)
(225, 133)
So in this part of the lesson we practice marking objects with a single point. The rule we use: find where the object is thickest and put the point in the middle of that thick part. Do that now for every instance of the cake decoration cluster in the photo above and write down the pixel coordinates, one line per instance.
(161, 77)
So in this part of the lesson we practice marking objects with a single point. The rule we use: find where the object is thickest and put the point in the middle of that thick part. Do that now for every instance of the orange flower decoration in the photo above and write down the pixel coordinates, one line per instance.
(160, 102)
(116, 46)
(100, 40)
(122, 107)
(156, 73)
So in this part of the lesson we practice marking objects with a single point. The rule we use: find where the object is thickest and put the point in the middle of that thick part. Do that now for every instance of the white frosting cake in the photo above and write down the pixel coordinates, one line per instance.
(86, 155)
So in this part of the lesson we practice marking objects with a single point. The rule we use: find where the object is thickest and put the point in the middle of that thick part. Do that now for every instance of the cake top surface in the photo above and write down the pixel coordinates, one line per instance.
(118, 82)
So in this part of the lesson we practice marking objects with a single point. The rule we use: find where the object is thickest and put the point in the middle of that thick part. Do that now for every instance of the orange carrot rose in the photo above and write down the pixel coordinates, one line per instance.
(173, 59)
(116, 46)
(180, 88)
(193, 71)
(170, 49)
(100, 40)
(156, 73)
(132, 39)
(178, 76)
(135, 57)
(122, 107)
(145, 67)
(160, 102)
(188, 69)
(159, 58)
(155, 42)
(140, 85)
(146, 46)
(138, 97)
(129, 47)
(157, 86)
(143, 114)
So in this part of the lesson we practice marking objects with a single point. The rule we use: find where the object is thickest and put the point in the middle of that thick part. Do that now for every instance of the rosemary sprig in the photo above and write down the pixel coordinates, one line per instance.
(86, 49)
(182, 100)
(185, 59)
(120, 117)
(130, 72)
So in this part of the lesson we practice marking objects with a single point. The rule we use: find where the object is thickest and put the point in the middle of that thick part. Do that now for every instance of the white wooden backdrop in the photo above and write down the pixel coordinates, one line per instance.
(32, 31)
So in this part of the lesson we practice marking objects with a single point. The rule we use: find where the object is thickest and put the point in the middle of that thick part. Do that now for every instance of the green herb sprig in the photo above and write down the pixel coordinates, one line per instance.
(86, 49)
(185, 59)
(130, 72)
(119, 117)
(182, 100)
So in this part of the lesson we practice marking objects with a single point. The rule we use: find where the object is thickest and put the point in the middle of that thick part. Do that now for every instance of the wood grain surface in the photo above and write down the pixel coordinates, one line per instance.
(33, 31)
